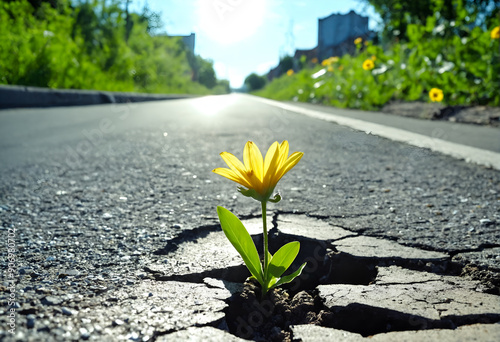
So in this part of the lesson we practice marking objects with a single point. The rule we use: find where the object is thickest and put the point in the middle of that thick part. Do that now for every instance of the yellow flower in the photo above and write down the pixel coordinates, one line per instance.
(259, 175)
(330, 61)
(341, 67)
(374, 58)
(358, 40)
(368, 64)
(495, 33)
(436, 95)
(330, 68)
(290, 72)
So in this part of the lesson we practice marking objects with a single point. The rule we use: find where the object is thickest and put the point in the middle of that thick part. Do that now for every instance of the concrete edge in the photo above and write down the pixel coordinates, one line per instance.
(36, 97)
(459, 151)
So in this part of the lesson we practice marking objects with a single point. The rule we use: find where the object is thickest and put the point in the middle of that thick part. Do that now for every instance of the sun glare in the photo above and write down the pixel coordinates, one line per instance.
(212, 105)
(230, 21)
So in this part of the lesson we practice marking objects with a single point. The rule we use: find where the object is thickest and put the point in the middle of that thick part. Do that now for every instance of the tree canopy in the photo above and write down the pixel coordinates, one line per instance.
(255, 82)
(96, 44)
(398, 14)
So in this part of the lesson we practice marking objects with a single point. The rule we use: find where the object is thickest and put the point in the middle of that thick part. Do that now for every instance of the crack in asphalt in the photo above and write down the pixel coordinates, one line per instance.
(482, 247)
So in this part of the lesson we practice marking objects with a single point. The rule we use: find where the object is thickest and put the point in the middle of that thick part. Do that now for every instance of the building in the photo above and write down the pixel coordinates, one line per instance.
(337, 32)
(309, 54)
(189, 41)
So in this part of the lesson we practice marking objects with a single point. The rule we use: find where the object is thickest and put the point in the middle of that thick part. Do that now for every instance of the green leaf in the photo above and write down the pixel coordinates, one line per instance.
(283, 258)
(241, 241)
(269, 258)
(289, 278)
(275, 199)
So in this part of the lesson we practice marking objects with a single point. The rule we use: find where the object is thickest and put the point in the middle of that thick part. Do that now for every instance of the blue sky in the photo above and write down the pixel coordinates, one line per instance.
(245, 36)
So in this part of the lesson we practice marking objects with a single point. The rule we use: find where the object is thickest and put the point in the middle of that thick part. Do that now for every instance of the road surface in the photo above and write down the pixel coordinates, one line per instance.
(104, 187)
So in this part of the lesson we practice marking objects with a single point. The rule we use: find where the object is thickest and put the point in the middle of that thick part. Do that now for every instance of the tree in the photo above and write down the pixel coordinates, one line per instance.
(255, 82)
(398, 14)
(286, 63)
(95, 44)
(206, 74)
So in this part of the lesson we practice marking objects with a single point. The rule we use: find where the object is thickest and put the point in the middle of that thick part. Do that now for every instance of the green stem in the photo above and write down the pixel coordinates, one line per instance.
(266, 250)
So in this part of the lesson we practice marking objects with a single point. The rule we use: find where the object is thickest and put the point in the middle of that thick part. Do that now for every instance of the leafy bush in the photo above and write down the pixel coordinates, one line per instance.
(460, 59)
(255, 82)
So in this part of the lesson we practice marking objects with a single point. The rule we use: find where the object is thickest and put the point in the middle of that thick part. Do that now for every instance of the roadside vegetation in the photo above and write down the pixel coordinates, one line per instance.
(97, 44)
(445, 50)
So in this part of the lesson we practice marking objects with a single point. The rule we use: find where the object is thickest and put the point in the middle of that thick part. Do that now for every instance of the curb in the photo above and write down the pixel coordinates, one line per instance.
(33, 97)
(468, 153)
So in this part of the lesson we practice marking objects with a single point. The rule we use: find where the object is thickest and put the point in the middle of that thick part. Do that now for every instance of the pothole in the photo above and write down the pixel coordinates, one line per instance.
(347, 285)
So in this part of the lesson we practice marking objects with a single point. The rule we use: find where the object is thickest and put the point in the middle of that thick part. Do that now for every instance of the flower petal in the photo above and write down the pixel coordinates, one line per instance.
(271, 157)
(289, 164)
(284, 149)
(229, 174)
(253, 160)
(271, 164)
(236, 165)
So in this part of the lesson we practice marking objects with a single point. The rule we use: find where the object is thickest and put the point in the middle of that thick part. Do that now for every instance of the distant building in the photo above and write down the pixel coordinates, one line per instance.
(336, 30)
(310, 54)
(189, 41)
(336, 34)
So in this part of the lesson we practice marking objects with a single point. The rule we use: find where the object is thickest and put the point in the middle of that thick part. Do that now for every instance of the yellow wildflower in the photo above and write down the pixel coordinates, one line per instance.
(290, 72)
(374, 58)
(495, 33)
(436, 95)
(330, 61)
(259, 175)
(368, 64)
(330, 68)
(358, 40)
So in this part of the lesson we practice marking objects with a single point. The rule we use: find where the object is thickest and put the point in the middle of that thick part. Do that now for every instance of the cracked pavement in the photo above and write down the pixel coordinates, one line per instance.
(104, 198)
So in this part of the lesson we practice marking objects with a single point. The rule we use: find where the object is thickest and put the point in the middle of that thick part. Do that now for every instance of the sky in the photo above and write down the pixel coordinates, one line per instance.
(245, 36)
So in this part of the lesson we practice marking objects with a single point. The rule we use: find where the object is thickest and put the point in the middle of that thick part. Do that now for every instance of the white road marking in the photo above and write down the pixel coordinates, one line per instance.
(459, 151)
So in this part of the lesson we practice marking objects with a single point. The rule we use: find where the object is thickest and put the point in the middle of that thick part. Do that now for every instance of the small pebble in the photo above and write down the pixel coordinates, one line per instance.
(66, 311)
(30, 321)
(52, 300)
(117, 322)
(486, 222)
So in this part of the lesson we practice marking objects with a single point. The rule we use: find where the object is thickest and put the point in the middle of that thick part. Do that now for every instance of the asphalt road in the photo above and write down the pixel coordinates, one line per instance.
(162, 153)
(92, 197)
(482, 137)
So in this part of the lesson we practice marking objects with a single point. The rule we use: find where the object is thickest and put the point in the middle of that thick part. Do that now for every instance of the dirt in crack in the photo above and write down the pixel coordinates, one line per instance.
(270, 318)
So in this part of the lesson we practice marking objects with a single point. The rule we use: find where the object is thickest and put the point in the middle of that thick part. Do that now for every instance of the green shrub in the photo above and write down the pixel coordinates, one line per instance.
(86, 46)
(462, 61)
